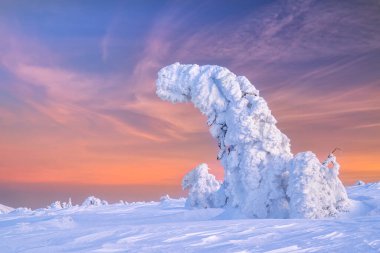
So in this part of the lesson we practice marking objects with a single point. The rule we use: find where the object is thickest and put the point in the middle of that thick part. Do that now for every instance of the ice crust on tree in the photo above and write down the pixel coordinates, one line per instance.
(202, 187)
(256, 156)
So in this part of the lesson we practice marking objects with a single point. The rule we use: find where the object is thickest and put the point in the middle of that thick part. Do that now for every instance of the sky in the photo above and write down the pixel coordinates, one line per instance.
(79, 114)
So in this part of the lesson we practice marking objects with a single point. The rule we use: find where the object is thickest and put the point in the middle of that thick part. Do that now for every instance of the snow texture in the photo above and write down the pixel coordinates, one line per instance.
(256, 156)
(203, 187)
(153, 227)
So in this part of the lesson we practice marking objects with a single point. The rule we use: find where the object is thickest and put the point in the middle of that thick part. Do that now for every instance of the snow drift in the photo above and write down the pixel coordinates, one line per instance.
(261, 176)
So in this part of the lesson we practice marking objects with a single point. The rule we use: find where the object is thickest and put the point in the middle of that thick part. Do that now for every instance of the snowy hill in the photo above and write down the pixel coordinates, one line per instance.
(5, 209)
(167, 226)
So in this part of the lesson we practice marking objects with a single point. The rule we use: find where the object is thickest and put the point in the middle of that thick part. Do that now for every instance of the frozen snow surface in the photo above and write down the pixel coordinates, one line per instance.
(167, 226)
(262, 178)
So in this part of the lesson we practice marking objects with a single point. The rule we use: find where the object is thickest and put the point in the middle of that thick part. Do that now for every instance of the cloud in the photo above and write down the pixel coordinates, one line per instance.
(374, 125)
(71, 98)
(291, 31)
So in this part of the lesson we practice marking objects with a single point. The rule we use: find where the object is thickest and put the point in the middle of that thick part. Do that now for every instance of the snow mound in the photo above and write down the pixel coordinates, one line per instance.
(366, 199)
(93, 201)
(5, 209)
(256, 156)
(203, 187)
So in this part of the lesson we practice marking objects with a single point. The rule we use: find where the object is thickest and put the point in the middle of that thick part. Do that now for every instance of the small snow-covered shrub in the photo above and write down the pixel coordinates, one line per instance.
(68, 204)
(93, 201)
(165, 198)
(360, 182)
(202, 187)
(55, 205)
(314, 189)
(121, 202)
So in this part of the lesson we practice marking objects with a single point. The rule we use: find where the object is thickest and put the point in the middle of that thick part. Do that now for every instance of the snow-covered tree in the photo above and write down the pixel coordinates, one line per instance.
(93, 201)
(202, 187)
(314, 189)
(68, 204)
(253, 151)
(55, 205)
(360, 182)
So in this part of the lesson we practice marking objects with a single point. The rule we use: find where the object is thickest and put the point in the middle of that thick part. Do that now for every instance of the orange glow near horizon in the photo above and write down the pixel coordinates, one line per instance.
(106, 159)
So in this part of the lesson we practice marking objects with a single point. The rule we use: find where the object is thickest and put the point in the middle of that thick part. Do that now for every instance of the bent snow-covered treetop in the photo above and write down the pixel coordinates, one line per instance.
(254, 153)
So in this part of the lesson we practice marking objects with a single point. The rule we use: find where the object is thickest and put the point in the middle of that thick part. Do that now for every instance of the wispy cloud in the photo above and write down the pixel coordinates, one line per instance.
(291, 31)
(71, 98)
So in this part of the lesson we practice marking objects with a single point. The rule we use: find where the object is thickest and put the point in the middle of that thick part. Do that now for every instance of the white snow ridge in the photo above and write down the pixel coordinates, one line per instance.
(261, 176)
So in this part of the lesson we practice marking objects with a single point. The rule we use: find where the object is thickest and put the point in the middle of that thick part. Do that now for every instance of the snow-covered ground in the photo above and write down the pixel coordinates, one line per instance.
(167, 226)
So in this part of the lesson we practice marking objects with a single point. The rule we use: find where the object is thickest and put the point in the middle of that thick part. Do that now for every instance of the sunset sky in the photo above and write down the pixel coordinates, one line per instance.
(79, 114)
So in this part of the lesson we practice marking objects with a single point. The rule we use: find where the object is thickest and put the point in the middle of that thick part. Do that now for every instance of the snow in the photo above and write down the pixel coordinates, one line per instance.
(167, 226)
(360, 182)
(93, 201)
(55, 205)
(203, 188)
(262, 178)
(315, 190)
(5, 209)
